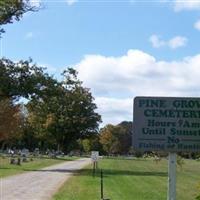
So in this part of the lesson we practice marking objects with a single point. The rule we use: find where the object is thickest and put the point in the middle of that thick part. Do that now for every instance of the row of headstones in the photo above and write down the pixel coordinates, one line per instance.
(18, 160)
(22, 155)
(54, 154)
(26, 152)
(19, 152)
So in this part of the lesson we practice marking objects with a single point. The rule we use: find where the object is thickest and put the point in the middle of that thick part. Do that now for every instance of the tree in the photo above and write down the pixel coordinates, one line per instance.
(86, 145)
(107, 138)
(90, 144)
(116, 139)
(17, 79)
(126, 136)
(10, 120)
(11, 10)
(21, 79)
(65, 112)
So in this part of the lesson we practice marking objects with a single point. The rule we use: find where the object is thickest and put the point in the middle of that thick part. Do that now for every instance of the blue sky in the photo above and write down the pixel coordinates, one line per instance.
(121, 49)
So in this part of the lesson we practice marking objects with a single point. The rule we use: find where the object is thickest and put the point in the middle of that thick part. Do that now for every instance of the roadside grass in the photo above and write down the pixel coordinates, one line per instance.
(6, 169)
(131, 179)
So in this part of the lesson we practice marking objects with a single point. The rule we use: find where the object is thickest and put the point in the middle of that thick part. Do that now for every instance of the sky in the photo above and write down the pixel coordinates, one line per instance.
(121, 49)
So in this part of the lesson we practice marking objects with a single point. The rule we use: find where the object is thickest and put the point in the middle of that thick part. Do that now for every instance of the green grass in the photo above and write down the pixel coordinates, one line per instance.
(139, 179)
(6, 169)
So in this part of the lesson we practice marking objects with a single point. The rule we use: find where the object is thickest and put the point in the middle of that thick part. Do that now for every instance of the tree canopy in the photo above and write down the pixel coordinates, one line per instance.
(22, 79)
(59, 112)
(11, 10)
(116, 139)
(9, 119)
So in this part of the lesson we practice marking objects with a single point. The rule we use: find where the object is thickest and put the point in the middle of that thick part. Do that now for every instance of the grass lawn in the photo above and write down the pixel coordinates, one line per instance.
(6, 169)
(139, 179)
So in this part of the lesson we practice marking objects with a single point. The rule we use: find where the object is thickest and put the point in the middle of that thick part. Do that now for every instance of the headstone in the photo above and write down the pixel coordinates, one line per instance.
(24, 155)
(18, 161)
(36, 152)
(12, 161)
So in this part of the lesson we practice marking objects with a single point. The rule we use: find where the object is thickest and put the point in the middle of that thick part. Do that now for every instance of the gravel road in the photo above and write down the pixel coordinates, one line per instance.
(40, 184)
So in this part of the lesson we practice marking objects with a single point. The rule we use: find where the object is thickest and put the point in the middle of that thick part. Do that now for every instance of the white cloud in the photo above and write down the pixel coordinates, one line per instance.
(35, 3)
(197, 25)
(115, 81)
(71, 2)
(115, 109)
(173, 43)
(156, 41)
(50, 69)
(29, 35)
(186, 5)
(177, 42)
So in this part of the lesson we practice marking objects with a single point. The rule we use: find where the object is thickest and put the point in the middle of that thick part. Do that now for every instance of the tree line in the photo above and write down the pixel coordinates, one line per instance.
(57, 112)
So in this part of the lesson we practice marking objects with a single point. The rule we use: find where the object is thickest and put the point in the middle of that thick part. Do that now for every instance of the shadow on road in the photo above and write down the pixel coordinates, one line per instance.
(107, 172)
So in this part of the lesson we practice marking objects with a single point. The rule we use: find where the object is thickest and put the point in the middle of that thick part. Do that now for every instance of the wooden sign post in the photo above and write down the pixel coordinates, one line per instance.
(172, 176)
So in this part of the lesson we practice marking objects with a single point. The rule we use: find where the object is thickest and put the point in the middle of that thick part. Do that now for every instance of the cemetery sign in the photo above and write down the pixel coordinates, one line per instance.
(166, 124)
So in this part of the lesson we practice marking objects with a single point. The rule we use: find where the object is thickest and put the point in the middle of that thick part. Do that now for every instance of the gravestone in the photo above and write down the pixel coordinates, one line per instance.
(24, 155)
(36, 152)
